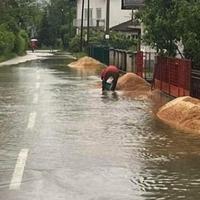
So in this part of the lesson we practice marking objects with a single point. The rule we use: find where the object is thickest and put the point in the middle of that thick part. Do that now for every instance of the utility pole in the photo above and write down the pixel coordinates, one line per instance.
(132, 15)
(88, 23)
(82, 12)
(70, 14)
(107, 19)
(62, 23)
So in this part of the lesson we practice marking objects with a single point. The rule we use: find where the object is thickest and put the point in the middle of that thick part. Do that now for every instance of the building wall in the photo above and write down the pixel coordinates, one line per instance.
(94, 4)
(117, 15)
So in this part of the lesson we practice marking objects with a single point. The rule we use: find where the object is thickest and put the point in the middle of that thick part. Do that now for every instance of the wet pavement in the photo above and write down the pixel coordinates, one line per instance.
(61, 139)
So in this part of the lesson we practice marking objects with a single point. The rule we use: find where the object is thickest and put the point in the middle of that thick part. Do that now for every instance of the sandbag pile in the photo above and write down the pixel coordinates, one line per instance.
(182, 113)
(133, 85)
(86, 63)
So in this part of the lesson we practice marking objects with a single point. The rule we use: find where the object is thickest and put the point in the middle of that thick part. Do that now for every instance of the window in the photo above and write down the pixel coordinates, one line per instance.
(98, 12)
(86, 13)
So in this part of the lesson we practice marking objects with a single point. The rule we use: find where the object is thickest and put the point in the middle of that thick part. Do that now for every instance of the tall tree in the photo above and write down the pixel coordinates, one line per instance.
(189, 23)
(169, 22)
(161, 31)
(17, 17)
(59, 21)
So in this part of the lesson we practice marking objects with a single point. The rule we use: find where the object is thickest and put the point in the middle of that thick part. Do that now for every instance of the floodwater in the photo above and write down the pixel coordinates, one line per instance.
(78, 144)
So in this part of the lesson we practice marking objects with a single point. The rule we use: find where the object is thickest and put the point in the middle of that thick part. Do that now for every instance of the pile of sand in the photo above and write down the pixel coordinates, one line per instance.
(133, 86)
(86, 63)
(182, 113)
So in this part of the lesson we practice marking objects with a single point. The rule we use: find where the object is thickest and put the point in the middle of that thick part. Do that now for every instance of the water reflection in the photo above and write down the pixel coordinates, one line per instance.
(86, 72)
(109, 96)
(89, 145)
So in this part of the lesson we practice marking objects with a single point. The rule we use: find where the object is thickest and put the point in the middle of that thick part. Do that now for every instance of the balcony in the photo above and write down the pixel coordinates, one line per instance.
(93, 23)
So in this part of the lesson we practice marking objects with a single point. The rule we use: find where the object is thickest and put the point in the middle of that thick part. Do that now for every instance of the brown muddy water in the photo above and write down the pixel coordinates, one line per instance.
(85, 145)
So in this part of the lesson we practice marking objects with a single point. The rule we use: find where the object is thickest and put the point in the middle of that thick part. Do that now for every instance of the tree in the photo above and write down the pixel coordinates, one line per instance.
(189, 18)
(161, 30)
(169, 22)
(58, 21)
(7, 40)
(16, 19)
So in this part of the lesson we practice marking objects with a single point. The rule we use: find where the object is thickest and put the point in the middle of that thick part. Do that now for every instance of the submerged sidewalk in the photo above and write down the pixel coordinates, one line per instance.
(39, 54)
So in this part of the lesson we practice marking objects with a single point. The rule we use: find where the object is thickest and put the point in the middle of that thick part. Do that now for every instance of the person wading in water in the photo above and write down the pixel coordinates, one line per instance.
(109, 77)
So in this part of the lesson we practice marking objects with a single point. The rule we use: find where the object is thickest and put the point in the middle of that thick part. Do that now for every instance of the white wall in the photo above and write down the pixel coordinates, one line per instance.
(117, 15)
(93, 4)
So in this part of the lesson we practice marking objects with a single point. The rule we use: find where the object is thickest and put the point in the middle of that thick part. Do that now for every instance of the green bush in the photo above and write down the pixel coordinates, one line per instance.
(11, 43)
(97, 37)
(24, 35)
(117, 40)
(121, 41)
(6, 41)
(58, 43)
(74, 44)
(19, 45)
(21, 42)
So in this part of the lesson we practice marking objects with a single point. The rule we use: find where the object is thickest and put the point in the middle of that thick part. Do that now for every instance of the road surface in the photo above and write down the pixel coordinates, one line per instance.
(60, 139)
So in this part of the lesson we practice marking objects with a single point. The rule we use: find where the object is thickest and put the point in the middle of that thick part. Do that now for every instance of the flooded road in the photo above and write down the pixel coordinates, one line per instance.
(60, 139)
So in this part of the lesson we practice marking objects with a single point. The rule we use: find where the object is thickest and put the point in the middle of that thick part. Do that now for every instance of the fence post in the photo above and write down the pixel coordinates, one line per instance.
(114, 57)
(195, 82)
(149, 67)
(118, 58)
(111, 56)
(125, 60)
(169, 78)
(161, 66)
(134, 62)
(139, 63)
(145, 64)
(189, 79)
(180, 65)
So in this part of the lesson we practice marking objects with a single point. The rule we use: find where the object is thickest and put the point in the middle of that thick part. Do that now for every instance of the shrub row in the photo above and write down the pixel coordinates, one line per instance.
(117, 40)
(12, 42)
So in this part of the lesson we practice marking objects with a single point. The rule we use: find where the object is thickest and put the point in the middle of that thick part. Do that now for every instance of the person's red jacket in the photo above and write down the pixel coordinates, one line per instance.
(109, 69)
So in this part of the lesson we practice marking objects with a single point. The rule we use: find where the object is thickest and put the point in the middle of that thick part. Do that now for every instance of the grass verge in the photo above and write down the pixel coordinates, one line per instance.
(79, 54)
(7, 57)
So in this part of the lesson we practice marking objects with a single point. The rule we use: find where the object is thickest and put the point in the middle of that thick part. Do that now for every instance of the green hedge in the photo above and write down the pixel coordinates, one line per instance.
(74, 44)
(12, 44)
(117, 40)
(7, 40)
(21, 42)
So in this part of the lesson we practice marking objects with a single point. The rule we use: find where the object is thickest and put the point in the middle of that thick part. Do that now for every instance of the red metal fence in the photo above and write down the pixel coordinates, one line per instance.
(139, 63)
(195, 83)
(172, 76)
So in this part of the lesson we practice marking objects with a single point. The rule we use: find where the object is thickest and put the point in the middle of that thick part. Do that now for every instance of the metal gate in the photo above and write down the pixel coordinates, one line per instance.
(195, 84)
(139, 63)
(100, 53)
(172, 76)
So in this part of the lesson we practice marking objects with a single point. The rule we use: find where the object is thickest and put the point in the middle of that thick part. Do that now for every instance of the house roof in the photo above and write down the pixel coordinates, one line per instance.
(128, 26)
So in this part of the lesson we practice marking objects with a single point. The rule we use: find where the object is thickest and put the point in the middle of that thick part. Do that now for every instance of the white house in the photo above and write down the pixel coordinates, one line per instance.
(120, 20)
(98, 13)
